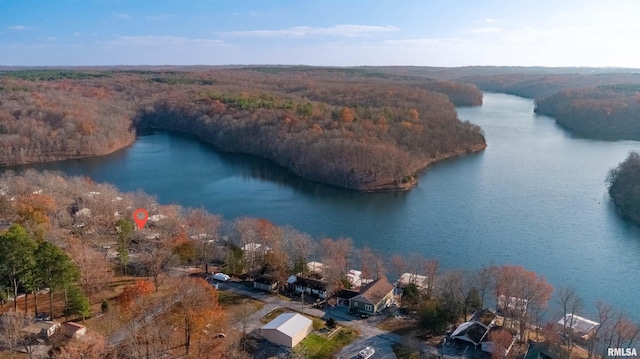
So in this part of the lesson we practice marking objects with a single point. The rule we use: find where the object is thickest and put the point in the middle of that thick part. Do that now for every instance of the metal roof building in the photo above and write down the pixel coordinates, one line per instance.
(287, 329)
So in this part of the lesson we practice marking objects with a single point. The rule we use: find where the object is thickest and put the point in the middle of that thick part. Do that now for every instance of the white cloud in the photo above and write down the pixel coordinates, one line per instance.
(489, 20)
(159, 17)
(21, 28)
(305, 31)
(123, 16)
(486, 30)
(427, 42)
(161, 41)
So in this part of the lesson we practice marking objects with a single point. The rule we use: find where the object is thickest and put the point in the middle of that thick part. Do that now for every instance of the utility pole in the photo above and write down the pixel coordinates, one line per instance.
(302, 301)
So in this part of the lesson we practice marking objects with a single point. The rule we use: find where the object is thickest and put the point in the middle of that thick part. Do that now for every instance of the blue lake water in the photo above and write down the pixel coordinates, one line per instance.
(535, 197)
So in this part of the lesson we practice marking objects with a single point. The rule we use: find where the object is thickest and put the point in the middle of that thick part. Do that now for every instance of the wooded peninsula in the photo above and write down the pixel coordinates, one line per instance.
(355, 128)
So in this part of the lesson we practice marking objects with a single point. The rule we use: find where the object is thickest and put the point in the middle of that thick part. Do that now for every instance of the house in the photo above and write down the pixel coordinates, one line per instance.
(288, 329)
(373, 297)
(481, 331)
(74, 330)
(265, 283)
(316, 267)
(254, 247)
(42, 330)
(511, 306)
(304, 285)
(202, 237)
(580, 327)
(418, 280)
(86, 212)
(470, 332)
(354, 277)
(157, 218)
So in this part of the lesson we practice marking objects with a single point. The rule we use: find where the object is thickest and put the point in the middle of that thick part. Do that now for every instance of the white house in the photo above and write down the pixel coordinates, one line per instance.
(355, 278)
(579, 326)
(287, 329)
(419, 280)
(316, 267)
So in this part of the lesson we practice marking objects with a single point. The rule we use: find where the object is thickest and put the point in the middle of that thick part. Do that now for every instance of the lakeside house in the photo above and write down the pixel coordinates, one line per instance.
(310, 286)
(482, 332)
(579, 327)
(373, 297)
(511, 306)
(316, 267)
(470, 332)
(254, 247)
(418, 280)
(288, 329)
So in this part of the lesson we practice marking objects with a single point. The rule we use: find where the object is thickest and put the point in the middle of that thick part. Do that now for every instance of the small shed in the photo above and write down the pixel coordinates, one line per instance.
(288, 329)
(74, 330)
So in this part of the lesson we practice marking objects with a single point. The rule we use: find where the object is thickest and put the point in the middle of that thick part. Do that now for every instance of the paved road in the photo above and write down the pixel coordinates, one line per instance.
(370, 334)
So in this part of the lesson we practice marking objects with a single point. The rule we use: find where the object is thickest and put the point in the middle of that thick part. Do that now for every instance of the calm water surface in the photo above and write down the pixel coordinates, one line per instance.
(535, 197)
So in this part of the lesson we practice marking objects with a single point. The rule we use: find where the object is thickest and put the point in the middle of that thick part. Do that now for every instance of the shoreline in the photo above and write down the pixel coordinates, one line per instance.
(395, 187)
(112, 150)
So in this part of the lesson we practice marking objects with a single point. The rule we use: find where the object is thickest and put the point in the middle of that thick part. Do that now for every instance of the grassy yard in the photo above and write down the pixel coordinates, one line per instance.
(227, 299)
(316, 346)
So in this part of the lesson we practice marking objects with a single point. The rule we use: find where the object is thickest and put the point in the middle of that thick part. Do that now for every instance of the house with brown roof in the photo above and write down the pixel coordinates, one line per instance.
(373, 297)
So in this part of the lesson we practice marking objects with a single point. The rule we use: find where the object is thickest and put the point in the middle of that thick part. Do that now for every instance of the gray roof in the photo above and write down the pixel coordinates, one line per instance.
(289, 324)
(578, 324)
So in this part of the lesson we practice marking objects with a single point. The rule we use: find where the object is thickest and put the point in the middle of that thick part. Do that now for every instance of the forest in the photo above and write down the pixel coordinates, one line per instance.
(71, 240)
(624, 186)
(608, 111)
(355, 128)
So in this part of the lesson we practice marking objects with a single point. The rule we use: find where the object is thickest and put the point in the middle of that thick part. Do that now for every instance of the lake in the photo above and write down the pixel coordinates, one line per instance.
(535, 197)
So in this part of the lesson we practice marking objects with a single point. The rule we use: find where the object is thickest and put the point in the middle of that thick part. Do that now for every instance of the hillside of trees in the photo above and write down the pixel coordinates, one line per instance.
(353, 128)
(611, 111)
(624, 186)
(600, 104)
(587, 102)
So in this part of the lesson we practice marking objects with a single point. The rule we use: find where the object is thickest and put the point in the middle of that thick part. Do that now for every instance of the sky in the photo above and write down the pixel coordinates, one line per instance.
(450, 33)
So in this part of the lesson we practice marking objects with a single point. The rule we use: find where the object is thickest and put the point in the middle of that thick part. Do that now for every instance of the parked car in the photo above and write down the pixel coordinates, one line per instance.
(366, 353)
(42, 317)
(221, 277)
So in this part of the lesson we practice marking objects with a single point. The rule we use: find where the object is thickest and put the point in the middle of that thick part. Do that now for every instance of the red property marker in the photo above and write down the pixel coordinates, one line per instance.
(140, 216)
